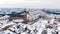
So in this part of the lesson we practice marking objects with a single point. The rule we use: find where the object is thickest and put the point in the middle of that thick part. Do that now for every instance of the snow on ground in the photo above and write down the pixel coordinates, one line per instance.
(39, 25)
(35, 28)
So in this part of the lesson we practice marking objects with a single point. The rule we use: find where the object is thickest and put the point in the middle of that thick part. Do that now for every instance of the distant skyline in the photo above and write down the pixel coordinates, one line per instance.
(10, 10)
(54, 4)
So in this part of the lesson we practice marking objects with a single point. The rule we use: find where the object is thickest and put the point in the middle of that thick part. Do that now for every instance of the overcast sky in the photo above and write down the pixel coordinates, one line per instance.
(30, 4)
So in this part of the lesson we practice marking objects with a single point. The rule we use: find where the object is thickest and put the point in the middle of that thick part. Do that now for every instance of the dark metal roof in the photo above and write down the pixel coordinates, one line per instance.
(16, 15)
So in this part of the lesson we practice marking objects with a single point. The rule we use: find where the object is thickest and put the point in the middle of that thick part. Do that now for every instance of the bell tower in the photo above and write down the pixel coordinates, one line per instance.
(25, 16)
